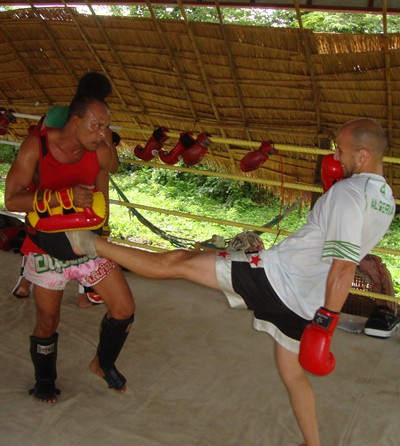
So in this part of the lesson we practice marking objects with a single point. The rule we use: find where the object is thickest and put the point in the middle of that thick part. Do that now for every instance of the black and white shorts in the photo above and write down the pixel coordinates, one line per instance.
(242, 278)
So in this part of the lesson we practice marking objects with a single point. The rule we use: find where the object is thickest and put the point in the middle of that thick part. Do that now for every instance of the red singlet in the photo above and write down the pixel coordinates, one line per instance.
(55, 175)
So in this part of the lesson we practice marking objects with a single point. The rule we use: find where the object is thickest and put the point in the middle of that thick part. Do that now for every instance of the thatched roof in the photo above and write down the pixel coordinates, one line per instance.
(236, 82)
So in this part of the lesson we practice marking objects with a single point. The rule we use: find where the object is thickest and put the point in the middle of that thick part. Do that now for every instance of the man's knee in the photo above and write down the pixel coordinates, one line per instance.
(174, 262)
(120, 308)
(46, 326)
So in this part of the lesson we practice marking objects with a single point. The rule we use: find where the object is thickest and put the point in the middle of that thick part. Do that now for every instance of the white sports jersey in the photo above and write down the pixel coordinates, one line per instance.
(345, 223)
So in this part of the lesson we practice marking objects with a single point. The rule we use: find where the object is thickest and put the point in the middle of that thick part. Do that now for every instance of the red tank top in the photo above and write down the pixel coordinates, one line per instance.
(55, 175)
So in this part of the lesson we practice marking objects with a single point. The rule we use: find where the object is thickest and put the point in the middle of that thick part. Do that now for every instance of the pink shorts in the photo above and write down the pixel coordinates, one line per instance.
(54, 274)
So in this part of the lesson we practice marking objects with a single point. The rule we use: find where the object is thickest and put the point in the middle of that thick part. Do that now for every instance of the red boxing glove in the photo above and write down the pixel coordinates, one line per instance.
(331, 171)
(6, 118)
(314, 355)
(195, 153)
(186, 140)
(153, 145)
(254, 160)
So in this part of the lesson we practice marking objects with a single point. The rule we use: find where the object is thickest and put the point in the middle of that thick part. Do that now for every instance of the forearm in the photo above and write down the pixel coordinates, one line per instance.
(114, 163)
(21, 201)
(340, 279)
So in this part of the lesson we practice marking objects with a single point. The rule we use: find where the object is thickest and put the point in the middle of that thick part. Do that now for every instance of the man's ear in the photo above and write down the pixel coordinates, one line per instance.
(363, 155)
(75, 119)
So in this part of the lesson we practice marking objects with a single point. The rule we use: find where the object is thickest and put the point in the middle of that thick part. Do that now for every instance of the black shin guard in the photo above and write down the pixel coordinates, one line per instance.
(44, 357)
(113, 334)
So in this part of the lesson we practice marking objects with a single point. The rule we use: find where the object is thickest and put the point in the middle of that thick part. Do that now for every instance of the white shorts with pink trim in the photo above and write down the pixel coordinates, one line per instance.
(48, 272)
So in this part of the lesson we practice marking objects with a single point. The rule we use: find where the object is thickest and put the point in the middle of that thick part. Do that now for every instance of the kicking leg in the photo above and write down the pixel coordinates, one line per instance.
(300, 393)
(177, 264)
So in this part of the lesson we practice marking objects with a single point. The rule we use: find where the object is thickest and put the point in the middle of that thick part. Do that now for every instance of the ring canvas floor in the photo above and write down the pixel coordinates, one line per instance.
(198, 375)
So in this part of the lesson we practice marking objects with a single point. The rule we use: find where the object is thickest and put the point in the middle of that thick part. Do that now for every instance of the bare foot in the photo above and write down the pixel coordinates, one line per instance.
(41, 398)
(95, 368)
(50, 401)
(83, 301)
(22, 288)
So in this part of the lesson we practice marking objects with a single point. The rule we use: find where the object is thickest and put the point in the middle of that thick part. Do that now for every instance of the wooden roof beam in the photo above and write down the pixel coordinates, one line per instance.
(231, 65)
(27, 69)
(95, 55)
(174, 60)
(117, 58)
(204, 74)
(388, 74)
(308, 54)
(54, 42)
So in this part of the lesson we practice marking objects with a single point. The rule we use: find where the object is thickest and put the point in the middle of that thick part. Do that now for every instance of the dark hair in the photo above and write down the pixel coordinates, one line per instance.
(80, 104)
(116, 139)
(95, 85)
(92, 87)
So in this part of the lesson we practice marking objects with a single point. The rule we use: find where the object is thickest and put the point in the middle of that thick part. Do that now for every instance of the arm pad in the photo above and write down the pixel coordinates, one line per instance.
(66, 216)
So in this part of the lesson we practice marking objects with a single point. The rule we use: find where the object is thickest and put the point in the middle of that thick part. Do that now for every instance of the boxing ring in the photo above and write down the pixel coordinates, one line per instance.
(198, 375)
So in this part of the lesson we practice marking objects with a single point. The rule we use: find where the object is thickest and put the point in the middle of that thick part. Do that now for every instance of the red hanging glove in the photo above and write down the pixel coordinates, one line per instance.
(254, 160)
(153, 145)
(6, 118)
(331, 171)
(195, 153)
(186, 140)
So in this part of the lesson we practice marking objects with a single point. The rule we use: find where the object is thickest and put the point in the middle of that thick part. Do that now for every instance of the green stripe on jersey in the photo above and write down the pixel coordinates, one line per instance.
(341, 250)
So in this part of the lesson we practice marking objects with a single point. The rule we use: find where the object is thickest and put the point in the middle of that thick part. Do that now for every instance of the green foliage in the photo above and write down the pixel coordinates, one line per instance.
(348, 23)
(224, 191)
(318, 21)
(7, 153)
(193, 194)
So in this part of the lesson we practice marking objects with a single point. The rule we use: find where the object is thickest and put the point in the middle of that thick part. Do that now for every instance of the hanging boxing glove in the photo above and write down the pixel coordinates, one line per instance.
(172, 157)
(254, 160)
(153, 145)
(6, 118)
(314, 354)
(331, 171)
(194, 154)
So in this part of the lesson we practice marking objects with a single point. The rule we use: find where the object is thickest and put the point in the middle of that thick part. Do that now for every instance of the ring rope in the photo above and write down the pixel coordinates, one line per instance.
(227, 222)
(372, 295)
(231, 141)
(297, 186)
